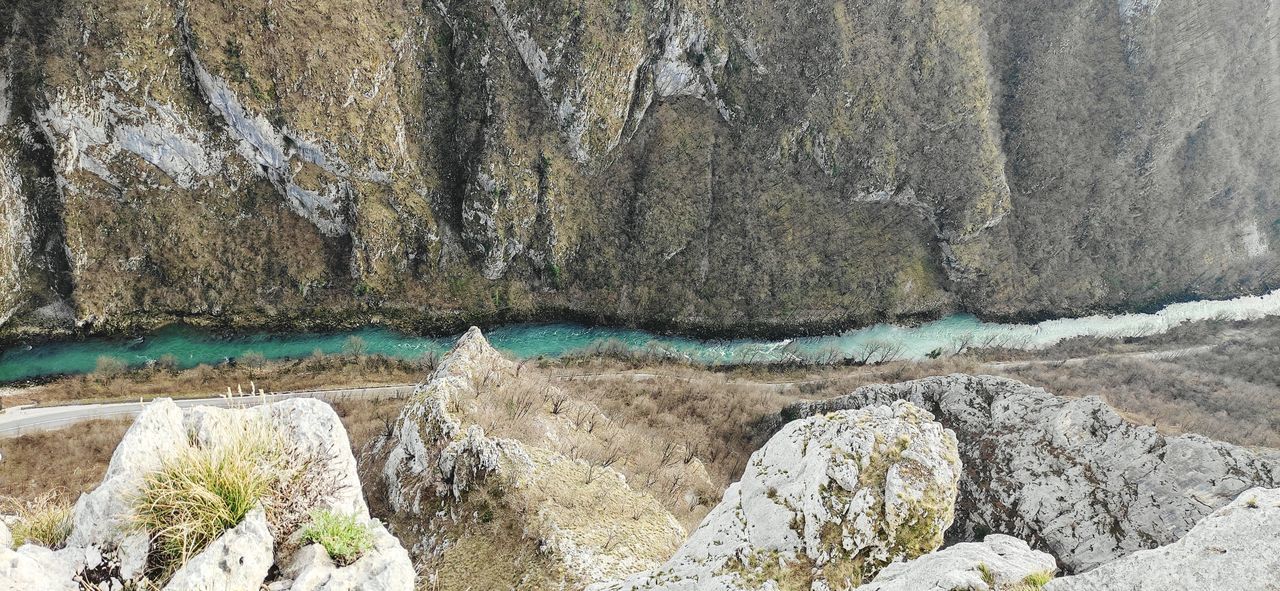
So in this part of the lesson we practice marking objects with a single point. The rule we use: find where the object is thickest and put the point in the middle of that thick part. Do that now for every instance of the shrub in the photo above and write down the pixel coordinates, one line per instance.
(253, 359)
(343, 536)
(167, 362)
(110, 367)
(44, 521)
(202, 492)
(354, 346)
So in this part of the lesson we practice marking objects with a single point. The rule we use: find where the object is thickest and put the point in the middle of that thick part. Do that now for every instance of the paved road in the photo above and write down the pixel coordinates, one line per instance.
(20, 421)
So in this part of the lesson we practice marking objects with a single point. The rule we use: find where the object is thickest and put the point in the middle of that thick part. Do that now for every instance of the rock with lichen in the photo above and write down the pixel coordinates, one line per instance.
(1069, 476)
(480, 510)
(825, 504)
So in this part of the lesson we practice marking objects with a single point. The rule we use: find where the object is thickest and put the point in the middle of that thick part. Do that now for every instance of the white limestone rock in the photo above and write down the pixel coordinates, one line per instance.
(1236, 547)
(6, 537)
(1069, 475)
(309, 428)
(386, 566)
(100, 518)
(239, 560)
(425, 424)
(830, 498)
(1007, 561)
(35, 567)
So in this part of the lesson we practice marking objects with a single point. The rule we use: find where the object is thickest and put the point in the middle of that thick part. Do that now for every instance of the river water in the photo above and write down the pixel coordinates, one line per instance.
(192, 347)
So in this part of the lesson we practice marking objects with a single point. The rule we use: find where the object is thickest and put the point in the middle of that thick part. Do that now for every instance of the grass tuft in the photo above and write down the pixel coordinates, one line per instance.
(43, 521)
(202, 492)
(1037, 580)
(343, 536)
(988, 576)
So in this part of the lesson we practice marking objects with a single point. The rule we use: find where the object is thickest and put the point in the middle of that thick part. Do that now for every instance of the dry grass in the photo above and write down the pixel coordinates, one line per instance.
(366, 419)
(584, 424)
(44, 520)
(66, 462)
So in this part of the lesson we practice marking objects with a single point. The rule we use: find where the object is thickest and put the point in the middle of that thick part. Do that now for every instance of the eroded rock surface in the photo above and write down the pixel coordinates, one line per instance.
(827, 502)
(1069, 475)
(1235, 547)
(313, 570)
(34, 567)
(997, 563)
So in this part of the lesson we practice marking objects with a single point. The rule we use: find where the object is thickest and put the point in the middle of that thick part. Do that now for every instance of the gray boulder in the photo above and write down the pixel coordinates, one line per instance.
(1069, 475)
(34, 567)
(998, 562)
(1236, 547)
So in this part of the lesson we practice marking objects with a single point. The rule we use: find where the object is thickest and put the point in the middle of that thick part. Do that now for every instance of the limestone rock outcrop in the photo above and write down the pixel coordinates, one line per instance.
(825, 504)
(996, 563)
(1233, 548)
(106, 546)
(493, 512)
(1069, 476)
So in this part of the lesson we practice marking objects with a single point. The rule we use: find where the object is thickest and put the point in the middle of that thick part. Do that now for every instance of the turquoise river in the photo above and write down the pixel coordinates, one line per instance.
(192, 347)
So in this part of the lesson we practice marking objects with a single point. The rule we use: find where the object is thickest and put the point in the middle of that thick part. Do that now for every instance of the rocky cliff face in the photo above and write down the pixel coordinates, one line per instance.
(718, 164)
(1070, 476)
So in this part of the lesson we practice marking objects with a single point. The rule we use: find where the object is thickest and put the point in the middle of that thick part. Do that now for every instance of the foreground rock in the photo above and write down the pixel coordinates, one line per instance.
(484, 512)
(1069, 475)
(997, 563)
(313, 570)
(33, 567)
(240, 559)
(1236, 547)
(107, 550)
(826, 503)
